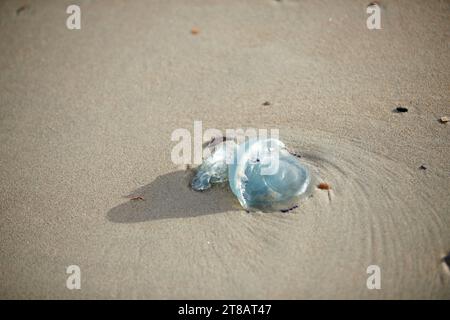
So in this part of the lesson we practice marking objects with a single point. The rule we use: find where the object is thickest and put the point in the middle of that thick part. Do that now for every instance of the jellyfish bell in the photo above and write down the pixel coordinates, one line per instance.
(266, 177)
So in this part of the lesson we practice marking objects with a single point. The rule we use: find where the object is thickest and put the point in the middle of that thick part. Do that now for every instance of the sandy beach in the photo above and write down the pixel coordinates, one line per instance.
(86, 118)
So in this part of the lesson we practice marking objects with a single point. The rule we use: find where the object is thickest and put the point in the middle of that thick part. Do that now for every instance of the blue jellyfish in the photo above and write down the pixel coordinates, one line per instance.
(261, 173)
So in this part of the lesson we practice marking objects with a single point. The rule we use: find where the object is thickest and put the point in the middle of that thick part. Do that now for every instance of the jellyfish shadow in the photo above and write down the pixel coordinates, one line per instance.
(170, 196)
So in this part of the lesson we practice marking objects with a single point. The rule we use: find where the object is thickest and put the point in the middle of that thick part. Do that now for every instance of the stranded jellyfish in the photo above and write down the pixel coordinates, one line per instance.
(261, 173)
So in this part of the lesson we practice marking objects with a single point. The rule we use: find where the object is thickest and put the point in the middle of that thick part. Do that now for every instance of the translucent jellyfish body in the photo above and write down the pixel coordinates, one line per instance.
(214, 168)
(265, 176)
(261, 173)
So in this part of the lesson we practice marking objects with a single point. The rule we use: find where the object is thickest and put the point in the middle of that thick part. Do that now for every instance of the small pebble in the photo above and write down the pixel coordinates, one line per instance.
(195, 30)
(444, 120)
(324, 186)
(266, 103)
(401, 109)
(423, 167)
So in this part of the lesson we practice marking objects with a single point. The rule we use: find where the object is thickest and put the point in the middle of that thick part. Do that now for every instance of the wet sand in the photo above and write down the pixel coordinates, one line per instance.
(86, 118)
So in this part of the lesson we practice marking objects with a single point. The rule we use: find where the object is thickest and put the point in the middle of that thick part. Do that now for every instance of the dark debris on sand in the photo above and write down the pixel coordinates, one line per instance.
(290, 209)
(401, 110)
(446, 260)
(22, 9)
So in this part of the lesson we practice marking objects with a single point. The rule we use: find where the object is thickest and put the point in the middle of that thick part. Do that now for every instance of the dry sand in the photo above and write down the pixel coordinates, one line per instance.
(86, 118)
